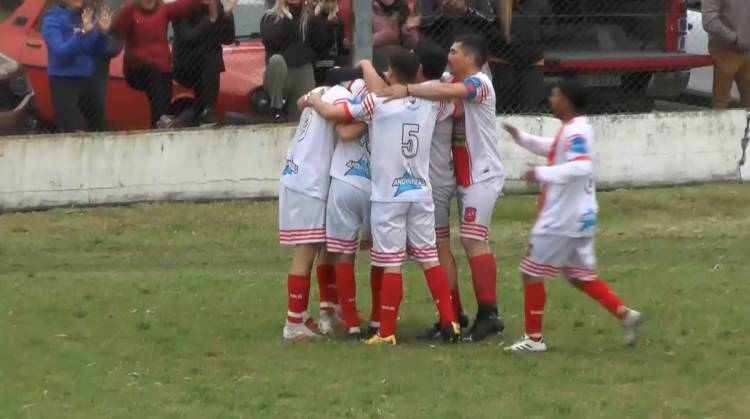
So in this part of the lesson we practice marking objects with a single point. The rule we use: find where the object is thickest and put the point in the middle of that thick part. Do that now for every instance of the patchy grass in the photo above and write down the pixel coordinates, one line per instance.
(175, 311)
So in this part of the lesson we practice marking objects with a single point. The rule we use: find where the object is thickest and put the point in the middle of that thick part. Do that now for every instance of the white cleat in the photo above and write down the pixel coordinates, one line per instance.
(329, 322)
(527, 345)
(300, 331)
(629, 325)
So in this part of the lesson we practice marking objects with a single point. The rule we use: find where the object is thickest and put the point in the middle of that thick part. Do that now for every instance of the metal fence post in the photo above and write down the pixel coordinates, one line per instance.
(362, 43)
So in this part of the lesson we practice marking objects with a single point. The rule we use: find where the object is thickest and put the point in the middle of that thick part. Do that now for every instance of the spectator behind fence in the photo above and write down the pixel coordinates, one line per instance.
(284, 30)
(442, 20)
(392, 30)
(328, 40)
(148, 62)
(75, 41)
(197, 55)
(728, 25)
(517, 64)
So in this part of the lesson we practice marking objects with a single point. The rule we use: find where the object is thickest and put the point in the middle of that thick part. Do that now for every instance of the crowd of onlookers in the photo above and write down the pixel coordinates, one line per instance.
(303, 40)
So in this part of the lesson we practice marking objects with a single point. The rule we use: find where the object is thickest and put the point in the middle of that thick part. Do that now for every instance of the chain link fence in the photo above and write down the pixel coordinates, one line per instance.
(204, 62)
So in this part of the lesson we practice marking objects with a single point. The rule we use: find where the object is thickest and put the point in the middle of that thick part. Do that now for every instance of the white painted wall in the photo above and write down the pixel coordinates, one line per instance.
(245, 162)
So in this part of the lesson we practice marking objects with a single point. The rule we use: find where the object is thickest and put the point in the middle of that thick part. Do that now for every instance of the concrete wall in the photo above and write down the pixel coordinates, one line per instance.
(245, 162)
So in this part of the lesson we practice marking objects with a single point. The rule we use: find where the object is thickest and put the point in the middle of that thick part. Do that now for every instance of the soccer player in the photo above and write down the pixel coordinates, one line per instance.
(562, 240)
(402, 209)
(347, 209)
(302, 210)
(479, 170)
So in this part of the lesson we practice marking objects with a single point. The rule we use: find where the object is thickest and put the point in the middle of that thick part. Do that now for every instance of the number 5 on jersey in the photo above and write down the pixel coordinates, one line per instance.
(409, 140)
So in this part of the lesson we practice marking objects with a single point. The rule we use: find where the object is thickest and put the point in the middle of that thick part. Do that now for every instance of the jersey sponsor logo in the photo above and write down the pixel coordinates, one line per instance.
(290, 168)
(470, 214)
(578, 145)
(407, 182)
(588, 220)
(356, 100)
(359, 167)
(412, 103)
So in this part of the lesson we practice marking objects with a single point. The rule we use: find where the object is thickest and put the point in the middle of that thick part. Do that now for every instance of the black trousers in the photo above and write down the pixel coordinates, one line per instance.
(203, 75)
(157, 86)
(518, 89)
(76, 96)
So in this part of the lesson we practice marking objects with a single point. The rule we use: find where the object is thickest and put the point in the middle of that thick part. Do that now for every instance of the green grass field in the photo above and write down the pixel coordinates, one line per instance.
(175, 311)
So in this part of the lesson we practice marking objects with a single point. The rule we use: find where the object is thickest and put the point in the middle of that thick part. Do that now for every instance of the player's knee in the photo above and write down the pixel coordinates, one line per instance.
(474, 247)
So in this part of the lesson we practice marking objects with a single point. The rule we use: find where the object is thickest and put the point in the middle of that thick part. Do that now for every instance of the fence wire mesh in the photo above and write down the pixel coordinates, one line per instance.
(202, 62)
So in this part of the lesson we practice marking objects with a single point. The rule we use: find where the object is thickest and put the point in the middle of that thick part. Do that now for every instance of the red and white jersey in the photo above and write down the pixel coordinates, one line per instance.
(441, 157)
(567, 205)
(475, 154)
(308, 158)
(401, 134)
(351, 159)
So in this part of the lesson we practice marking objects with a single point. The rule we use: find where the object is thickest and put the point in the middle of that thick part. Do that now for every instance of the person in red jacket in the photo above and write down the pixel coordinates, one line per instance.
(148, 61)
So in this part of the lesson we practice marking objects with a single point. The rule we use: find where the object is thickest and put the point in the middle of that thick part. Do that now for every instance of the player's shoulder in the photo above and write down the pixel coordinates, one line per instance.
(335, 93)
(579, 126)
(357, 87)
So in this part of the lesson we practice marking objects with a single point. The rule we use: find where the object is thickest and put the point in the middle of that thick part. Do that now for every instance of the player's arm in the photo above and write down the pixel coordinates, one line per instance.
(578, 163)
(437, 91)
(350, 131)
(327, 111)
(537, 145)
(373, 81)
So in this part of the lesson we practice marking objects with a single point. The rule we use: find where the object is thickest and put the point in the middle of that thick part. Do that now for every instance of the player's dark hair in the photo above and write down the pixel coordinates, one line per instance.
(433, 59)
(575, 92)
(473, 44)
(405, 65)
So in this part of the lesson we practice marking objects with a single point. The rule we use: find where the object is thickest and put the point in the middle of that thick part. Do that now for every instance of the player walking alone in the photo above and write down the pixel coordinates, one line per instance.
(562, 239)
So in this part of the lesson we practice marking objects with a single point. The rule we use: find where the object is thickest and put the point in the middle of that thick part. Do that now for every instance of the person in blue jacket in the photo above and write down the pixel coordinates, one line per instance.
(75, 42)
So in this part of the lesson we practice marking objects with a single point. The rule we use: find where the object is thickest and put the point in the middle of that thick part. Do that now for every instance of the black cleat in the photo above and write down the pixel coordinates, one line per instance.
(431, 333)
(372, 330)
(463, 321)
(451, 332)
(354, 333)
(487, 323)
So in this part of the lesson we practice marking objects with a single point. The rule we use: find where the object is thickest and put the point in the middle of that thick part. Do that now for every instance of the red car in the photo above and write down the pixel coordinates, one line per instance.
(128, 109)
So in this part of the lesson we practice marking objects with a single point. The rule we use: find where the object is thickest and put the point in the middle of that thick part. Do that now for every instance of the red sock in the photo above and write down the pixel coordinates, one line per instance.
(346, 289)
(298, 294)
(456, 302)
(533, 307)
(390, 298)
(327, 287)
(484, 277)
(441, 294)
(599, 291)
(376, 283)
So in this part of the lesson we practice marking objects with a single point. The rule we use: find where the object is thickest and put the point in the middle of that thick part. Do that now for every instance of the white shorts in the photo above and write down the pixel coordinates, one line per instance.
(398, 227)
(302, 218)
(442, 197)
(475, 205)
(347, 213)
(549, 256)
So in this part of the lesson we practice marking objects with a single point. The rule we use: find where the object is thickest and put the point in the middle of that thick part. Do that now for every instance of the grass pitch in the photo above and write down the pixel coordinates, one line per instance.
(175, 311)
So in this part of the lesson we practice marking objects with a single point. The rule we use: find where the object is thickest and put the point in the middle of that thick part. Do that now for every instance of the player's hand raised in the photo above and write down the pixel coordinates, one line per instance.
(394, 91)
(513, 131)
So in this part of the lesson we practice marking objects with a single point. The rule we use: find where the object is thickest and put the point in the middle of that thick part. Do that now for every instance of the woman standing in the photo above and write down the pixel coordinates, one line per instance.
(289, 71)
(392, 30)
(74, 43)
(148, 62)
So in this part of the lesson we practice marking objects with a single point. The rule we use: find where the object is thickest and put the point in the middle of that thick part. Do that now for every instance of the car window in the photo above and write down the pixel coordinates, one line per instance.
(7, 7)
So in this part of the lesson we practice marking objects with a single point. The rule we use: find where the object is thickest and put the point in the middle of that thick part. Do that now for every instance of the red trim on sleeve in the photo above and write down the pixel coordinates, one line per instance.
(580, 158)
(347, 112)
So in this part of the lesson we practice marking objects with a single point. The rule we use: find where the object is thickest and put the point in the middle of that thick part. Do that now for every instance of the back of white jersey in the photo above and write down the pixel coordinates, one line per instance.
(308, 158)
(569, 209)
(351, 159)
(475, 154)
(401, 134)
(441, 157)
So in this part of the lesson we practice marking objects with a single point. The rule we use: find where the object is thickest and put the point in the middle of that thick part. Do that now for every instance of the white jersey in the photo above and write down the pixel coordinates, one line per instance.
(308, 158)
(351, 159)
(475, 155)
(568, 201)
(441, 157)
(400, 138)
